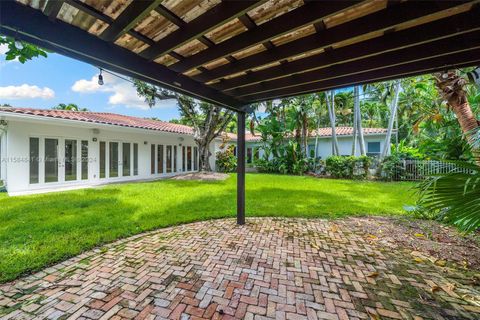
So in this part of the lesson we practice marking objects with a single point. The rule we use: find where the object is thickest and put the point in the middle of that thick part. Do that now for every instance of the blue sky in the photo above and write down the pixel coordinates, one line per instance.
(46, 82)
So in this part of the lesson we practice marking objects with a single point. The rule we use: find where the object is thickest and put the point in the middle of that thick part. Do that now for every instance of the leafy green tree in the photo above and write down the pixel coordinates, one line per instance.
(69, 107)
(21, 50)
(208, 121)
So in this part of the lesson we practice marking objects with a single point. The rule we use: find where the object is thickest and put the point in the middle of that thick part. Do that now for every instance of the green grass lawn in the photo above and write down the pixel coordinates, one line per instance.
(38, 230)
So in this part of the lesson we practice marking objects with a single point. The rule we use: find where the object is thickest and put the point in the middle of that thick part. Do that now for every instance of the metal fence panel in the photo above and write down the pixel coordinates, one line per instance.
(416, 170)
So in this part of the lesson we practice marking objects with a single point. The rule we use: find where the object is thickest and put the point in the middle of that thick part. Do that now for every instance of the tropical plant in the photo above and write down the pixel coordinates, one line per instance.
(226, 161)
(451, 86)
(453, 197)
(350, 167)
(392, 168)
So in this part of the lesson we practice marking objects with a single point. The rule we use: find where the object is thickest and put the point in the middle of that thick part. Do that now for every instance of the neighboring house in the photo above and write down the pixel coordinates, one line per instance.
(48, 150)
(45, 150)
(374, 142)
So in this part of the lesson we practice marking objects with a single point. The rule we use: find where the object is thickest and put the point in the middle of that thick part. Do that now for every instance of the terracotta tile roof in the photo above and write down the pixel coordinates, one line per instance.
(322, 132)
(148, 124)
(104, 118)
(347, 131)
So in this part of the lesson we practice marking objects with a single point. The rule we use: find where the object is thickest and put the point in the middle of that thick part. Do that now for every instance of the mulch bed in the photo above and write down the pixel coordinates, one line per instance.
(203, 176)
(437, 242)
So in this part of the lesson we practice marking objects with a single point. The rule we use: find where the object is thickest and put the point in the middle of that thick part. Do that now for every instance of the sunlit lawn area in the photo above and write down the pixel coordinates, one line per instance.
(38, 230)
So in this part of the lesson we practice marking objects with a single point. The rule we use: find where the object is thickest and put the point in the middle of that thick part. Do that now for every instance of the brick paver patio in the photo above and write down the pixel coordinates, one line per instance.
(268, 269)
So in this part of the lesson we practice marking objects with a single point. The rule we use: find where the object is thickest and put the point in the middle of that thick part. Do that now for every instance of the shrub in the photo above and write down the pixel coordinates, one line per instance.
(392, 168)
(226, 160)
(348, 167)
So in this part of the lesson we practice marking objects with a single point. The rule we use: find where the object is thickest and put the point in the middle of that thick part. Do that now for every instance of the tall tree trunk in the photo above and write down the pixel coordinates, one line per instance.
(391, 120)
(305, 133)
(316, 134)
(359, 120)
(354, 134)
(331, 112)
(204, 155)
(451, 85)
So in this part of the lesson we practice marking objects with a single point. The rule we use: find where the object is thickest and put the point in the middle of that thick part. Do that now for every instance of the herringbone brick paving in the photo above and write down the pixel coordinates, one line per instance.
(268, 269)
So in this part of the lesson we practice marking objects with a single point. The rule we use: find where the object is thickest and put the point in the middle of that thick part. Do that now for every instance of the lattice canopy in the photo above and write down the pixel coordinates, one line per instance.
(235, 53)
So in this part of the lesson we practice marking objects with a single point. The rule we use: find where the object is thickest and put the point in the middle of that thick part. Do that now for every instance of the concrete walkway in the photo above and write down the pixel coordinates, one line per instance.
(268, 269)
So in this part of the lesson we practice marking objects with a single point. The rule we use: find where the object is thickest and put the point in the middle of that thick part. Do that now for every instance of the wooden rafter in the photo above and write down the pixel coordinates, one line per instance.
(382, 20)
(213, 18)
(453, 60)
(32, 26)
(328, 43)
(52, 8)
(129, 17)
(309, 13)
(176, 20)
(412, 54)
(105, 18)
(464, 23)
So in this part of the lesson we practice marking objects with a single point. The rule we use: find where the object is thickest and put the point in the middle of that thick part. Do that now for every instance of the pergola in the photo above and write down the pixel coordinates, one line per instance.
(235, 53)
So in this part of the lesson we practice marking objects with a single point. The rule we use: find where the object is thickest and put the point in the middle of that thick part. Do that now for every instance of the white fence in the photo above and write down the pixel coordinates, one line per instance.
(415, 170)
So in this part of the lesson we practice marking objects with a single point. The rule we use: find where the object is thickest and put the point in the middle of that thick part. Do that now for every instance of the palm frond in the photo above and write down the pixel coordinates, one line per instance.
(454, 195)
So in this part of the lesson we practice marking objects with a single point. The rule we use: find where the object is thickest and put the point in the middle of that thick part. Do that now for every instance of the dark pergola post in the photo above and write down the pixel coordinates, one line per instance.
(241, 168)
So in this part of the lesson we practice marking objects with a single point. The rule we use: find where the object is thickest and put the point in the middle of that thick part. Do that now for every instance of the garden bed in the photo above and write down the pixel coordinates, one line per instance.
(426, 239)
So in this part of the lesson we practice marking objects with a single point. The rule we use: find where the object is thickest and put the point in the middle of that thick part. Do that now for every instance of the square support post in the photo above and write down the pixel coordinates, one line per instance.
(241, 168)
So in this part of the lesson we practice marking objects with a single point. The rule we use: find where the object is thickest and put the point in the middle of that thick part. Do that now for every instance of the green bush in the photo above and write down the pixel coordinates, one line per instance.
(348, 167)
(392, 168)
(226, 160)
(291, 161)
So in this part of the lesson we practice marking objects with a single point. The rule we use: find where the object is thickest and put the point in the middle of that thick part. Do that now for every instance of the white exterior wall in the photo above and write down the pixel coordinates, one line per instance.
(16, 159)
(324, 149)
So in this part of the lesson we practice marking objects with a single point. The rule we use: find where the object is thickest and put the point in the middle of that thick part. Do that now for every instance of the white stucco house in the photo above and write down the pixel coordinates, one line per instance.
(45, 150)
(48, 150)
(374, 142)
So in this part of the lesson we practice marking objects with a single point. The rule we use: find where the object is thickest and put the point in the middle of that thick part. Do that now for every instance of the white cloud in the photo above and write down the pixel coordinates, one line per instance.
(26, 91)
(125, 94)
(3, 49)
(121, 92)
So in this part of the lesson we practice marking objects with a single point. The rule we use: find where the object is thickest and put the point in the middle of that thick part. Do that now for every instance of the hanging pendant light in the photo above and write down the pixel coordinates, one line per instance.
(100, 78)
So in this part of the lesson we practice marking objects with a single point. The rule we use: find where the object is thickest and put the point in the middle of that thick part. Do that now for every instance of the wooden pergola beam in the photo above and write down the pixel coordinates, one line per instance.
(217, 16)
(417, 53)
(103, 17)
(52, 8)
(130, 16)
(436, 30)
(454, 60)
(33, 26)
(307, 14)
(382, 20)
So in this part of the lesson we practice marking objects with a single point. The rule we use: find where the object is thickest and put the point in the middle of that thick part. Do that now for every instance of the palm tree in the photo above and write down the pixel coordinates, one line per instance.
(69, 107)
(331, 111)
(357, 122)
(319, 114)
(455, 196)
(343, 107)
(393, 113)
(451, 87)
